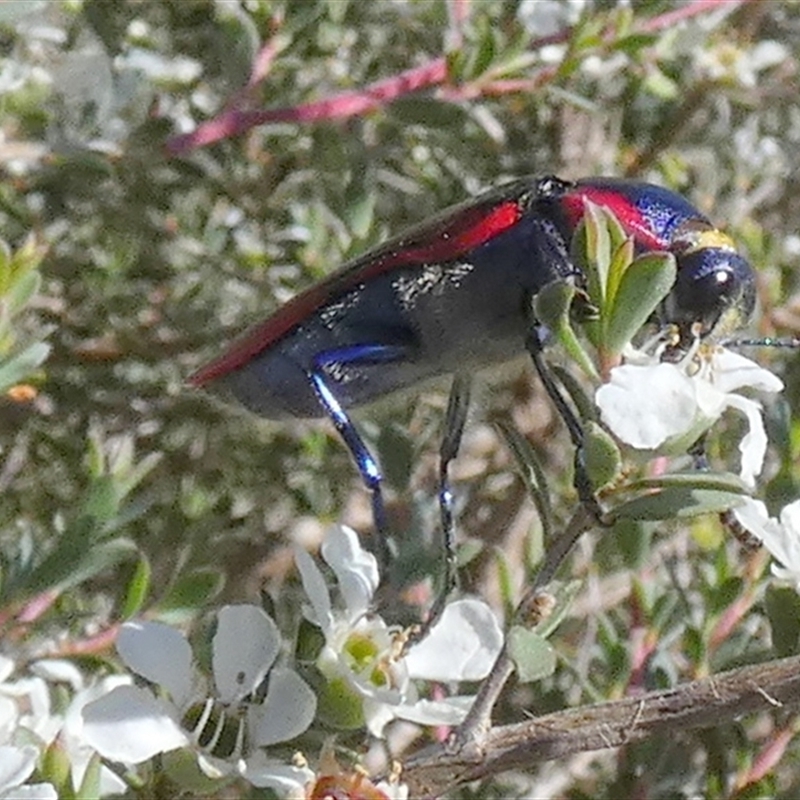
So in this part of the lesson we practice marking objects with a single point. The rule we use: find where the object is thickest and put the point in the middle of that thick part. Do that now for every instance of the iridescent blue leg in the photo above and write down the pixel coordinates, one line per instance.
(365, 461)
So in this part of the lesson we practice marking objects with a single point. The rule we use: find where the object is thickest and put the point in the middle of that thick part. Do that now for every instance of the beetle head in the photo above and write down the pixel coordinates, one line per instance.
(715, 288)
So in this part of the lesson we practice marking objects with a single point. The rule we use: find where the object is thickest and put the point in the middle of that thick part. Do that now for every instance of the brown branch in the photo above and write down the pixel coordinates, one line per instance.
(478, 719)
(235, 121)
(701, 704)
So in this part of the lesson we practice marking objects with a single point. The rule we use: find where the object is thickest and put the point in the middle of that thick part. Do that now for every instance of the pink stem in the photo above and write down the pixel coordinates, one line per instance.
(235, 121)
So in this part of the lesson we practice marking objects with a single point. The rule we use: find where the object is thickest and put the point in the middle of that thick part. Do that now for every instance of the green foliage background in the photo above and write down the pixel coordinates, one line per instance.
(135, 492)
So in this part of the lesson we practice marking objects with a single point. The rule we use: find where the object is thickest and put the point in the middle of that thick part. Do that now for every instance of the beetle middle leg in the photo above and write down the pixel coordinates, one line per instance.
(455, 419)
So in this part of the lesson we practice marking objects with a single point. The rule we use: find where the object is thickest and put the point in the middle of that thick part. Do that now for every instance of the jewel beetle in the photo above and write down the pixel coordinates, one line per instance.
(453, 295)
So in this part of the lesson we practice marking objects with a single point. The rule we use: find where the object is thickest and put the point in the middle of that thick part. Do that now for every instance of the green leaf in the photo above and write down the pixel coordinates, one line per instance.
(783, 609)
(22, 290)
(397, 453)
(551, 307)
(137, 589)
(504, 580)
(723, 481)
(75, 560)
(483, 54)
(677, 501)
(646, 282)
(189, 593)
(532, 654)
(90, 785)
(23, 365)
(532, 471)
(620, 262)
(602, 456)
(102, 502)
(340, 706)
(564, 594)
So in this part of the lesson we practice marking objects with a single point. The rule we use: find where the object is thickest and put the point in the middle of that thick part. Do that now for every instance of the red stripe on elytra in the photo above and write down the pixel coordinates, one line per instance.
(469, 230)
(629, 216)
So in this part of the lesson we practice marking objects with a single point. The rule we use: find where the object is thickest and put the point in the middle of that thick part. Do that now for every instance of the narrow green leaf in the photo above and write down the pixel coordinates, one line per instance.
(71, 564)
(565, 594)
(504, 579)
(644, 285)
(190, 592)
(783, 610)
(22, 290)
(137, 589)
(533, 474)
(23, 365)
(602, 457)
(484, 54)
(723, 481)
(532, 654)
(677, 501)
(138, 473)
(552, 308)
(597, 255)
(90, 785)
(621, 260)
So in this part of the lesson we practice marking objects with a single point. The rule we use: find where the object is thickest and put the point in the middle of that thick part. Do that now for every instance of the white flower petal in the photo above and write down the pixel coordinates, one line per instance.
(752, 515)
(790, 517)
(393, 791)
(646, 406)
(59, 670)
(782, 539)
(9, 716)
(356, 569)
(436, 712)
(733, 371)
(316, 590)
(215, 768)
(462, 646)
(286, 712)
(160, 654)
(246, 644)
(753, 446)
(33, 791)
(377, 716)
(288, 781)
(6, 668)
(74, 744)
(131, 725)
(16, 765)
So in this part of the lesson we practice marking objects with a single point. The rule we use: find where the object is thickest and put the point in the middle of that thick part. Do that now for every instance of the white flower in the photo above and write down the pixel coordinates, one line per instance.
(652, 405)
(16, 766)
(223, 723)
(780, 536)
(362, 658)
(26, 716)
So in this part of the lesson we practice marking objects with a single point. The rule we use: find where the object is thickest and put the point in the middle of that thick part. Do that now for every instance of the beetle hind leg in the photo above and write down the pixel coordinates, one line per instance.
(455, 419)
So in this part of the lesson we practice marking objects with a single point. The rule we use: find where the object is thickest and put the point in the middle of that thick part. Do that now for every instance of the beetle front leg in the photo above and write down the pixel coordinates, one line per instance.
(583, 484)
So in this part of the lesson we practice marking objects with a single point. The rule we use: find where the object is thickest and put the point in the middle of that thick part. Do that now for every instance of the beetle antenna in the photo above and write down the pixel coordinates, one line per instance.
(791, 343)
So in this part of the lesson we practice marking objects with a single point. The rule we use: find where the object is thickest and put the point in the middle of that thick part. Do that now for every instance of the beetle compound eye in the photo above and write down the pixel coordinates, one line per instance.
(714, 291)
